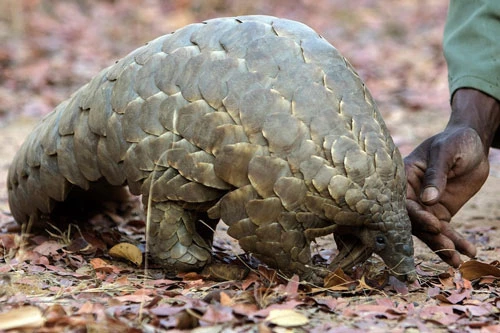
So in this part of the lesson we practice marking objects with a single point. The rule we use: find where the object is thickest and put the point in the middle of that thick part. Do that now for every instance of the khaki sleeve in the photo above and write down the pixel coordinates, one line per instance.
(471, 45)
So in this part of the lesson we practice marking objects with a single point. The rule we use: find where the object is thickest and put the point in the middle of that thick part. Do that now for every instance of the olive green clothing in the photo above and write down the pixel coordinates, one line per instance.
(472, 47)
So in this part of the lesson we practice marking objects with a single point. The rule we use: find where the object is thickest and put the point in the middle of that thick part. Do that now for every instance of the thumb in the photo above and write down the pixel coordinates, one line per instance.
(435, 177)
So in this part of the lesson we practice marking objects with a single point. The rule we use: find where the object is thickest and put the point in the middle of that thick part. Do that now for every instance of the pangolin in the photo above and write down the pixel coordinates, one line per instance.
(254, 120)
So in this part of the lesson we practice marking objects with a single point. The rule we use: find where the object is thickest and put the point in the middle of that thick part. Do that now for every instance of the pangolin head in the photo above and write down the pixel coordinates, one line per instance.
(367, 187)
(390, 239)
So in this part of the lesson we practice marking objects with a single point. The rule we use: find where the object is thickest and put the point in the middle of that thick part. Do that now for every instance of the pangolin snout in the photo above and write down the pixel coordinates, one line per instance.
(402, 266)
(408, 273)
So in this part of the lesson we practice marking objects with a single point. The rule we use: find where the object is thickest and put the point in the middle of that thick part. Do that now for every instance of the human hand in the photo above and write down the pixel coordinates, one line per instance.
(443, 173)
(446, 170)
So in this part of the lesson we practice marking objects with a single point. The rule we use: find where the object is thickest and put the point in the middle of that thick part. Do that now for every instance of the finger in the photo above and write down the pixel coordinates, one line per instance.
(442, 246)
(461, 244)
(422, 220)
(435, 177)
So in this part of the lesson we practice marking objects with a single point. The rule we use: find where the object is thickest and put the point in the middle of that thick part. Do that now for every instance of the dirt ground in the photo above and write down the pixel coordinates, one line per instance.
(396, 48)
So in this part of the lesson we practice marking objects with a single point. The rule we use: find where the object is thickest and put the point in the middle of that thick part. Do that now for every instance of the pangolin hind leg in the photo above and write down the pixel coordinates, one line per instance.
(177, 239)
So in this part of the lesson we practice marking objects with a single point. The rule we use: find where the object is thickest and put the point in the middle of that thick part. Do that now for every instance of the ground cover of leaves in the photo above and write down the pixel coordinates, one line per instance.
(70, 280)
(67, 281)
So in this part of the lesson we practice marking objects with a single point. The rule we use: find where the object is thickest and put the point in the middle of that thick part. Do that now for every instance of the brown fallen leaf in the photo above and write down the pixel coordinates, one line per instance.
(292, 287)
(9, 241)
(288, 305)
(338, 281)
(270, 274)
(48, 248)
(24, 317)
(251, 279)
(454, 296)
(134, 298)
(224, 272)
(286, 318)
(329, 302)
(474, 269)
(128, 252)
(100, 265)
(474, 310)
(398, 286)
(447, 279)
(443, 315)
(225, 299)
(490, 329)
(217, 314)
(374, 311)
(80, 245)
(186, 320)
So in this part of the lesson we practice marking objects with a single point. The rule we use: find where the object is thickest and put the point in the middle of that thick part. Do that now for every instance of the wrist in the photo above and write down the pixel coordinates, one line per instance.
(477, 110)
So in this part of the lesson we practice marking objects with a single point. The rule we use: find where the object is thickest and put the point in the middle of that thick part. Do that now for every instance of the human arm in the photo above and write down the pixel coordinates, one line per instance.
(446, 170)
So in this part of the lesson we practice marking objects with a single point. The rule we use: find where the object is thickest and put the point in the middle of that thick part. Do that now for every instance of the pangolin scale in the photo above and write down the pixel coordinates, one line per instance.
(254, 120)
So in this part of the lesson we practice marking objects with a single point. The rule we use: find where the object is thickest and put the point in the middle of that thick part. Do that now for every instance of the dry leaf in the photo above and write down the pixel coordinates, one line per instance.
(216, 314)
(292, 287)
(25, 317)
(99, 264)
(225, 272)
(286, 318)
(455, 296)
(473, 269)
(338, 281)
(128, 252)
(225, 299)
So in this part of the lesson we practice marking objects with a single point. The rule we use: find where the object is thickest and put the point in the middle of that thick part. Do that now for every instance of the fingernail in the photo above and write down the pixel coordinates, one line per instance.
(429, 194)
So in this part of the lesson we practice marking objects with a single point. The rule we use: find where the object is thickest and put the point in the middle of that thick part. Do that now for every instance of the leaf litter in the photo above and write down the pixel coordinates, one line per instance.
(110, 291)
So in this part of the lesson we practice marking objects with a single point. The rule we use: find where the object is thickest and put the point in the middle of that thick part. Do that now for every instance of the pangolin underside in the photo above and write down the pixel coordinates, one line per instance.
(254, 120)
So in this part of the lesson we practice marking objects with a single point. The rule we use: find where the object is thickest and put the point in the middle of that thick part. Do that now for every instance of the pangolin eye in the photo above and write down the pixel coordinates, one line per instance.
(380, 240)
